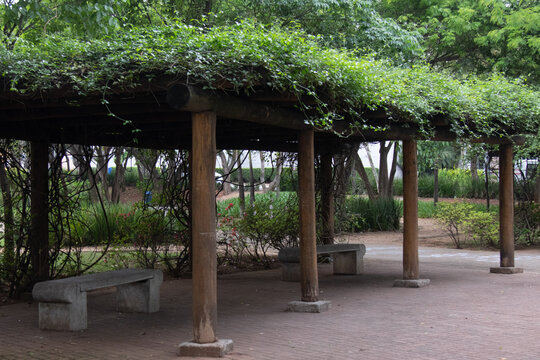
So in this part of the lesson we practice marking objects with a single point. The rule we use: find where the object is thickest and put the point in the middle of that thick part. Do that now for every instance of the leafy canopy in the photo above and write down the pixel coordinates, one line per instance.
(248, 56)
(475, 35)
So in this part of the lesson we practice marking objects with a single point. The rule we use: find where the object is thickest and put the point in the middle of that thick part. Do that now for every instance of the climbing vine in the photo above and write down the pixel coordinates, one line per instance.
(247, 57)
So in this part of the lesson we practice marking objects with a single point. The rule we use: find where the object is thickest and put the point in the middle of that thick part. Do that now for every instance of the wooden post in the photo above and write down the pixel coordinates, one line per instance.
(306, 192)
(204, 227)
(39, 228)
(327, 200)
(506, 203)
(410, 211)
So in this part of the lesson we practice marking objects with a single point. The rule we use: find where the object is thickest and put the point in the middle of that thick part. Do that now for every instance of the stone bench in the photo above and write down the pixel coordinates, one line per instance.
(62, 303)
(347, 259)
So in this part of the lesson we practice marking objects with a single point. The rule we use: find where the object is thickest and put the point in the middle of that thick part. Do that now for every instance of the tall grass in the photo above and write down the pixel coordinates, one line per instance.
(100, 225)
(453, 183)
(362, 214)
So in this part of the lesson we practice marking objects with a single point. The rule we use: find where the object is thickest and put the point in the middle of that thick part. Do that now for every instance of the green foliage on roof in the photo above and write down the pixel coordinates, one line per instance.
(246, 57)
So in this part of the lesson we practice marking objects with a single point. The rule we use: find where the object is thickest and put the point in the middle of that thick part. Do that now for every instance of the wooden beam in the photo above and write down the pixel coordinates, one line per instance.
(39, 228)
(506, 206)
(308, 235)
(189, 98)
(204, 227)
(410, 211)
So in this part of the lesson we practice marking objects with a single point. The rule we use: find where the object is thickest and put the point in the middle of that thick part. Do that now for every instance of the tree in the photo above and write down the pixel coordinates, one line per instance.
(351, 24)
(478, 36)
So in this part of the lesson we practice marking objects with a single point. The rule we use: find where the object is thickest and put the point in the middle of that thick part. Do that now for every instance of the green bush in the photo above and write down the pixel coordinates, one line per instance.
(289, 180)
(362, 214)
(465, 224)
(482, 228)
(527, 223)
(271, 223)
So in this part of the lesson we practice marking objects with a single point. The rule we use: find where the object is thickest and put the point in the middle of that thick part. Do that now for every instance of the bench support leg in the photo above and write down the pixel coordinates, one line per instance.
(290, 272)
(64, 316)
(139, 297)
(348, 263)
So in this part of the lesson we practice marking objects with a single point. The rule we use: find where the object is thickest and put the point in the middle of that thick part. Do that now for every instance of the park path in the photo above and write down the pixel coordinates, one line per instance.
(466, 313)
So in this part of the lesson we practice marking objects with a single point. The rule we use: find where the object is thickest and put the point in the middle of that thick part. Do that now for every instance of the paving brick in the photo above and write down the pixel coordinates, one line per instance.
(466, 313)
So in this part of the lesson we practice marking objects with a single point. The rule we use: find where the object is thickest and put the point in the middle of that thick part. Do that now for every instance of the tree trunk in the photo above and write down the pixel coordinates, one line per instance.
(436, 185)
(275, 183)
(359, 166)
(390, 183)
(251, 182)
(102, 160)
(537, 187)
(227, 165)
(488, 162)
(146, 164)
(474, 167)
(241, 189)
(343, 165)
(9, 240)
(262, 177)
(383, 168)
(118, 175)
(372, 165)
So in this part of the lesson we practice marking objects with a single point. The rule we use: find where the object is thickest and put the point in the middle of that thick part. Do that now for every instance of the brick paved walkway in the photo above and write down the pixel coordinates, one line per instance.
(467, 313)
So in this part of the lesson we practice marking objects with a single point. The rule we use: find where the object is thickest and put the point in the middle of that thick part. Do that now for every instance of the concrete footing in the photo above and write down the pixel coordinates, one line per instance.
(309, 307)
(506, 270)
(414, 283)
(216, 349)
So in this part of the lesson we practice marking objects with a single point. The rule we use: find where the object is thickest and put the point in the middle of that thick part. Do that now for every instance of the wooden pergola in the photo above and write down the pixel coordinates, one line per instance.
(176, 116)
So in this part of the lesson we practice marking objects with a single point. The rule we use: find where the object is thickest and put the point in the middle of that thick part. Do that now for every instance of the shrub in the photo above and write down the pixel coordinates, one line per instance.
(271, 223)
(463, 223)
(527, 223)
(482, 228)
(452, 217)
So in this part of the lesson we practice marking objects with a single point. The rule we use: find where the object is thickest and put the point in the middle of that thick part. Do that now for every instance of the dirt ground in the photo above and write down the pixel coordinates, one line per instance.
(430, 234)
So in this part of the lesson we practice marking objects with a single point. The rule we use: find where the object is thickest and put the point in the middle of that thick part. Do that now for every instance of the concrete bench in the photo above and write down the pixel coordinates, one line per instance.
(62, 303)
(347, 259)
